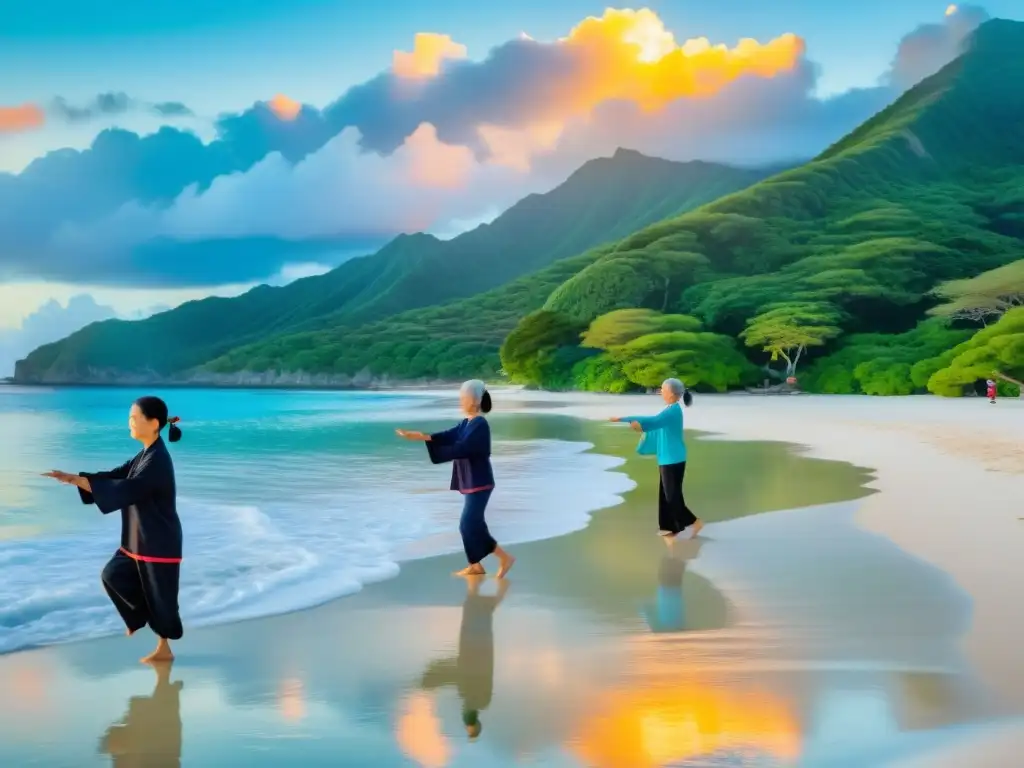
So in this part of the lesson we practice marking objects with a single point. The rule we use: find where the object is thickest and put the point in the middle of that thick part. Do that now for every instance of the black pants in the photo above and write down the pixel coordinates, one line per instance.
(673, 514)
(476, 538)
(144, 593)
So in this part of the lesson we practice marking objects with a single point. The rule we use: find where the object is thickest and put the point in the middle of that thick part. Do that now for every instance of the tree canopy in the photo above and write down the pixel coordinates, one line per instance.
(787, 330)
(984, 297)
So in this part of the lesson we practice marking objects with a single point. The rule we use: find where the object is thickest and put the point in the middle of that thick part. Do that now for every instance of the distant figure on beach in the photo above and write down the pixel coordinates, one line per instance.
(663, 437)
(142, 576)
(990, 387)
(150, 732)
(468, 446)
(472, 671)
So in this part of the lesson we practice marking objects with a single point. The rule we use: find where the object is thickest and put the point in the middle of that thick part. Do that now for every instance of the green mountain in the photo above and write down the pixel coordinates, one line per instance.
(824, 272)
(829, 273)
(602, 201)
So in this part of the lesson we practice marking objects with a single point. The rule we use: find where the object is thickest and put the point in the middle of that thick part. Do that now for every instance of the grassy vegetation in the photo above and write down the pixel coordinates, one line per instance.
(604, 200)
(831, 271)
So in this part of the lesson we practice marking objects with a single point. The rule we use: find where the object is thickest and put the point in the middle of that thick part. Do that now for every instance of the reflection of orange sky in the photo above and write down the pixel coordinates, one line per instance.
(291, 700)
(25, 693)
(418, 732)
(665, 722)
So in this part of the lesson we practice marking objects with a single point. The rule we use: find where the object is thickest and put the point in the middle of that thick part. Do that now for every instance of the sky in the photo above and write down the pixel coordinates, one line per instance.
(163, 151)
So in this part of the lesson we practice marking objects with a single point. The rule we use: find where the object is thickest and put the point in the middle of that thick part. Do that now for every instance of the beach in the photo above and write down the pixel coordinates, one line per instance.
(851, 602)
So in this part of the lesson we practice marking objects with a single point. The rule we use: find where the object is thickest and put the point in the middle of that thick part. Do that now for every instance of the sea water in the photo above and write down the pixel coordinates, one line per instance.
(288, 499)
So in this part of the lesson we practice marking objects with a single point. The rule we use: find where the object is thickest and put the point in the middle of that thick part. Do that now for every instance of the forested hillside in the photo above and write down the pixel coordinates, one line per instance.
(602, 201)
(890, 264)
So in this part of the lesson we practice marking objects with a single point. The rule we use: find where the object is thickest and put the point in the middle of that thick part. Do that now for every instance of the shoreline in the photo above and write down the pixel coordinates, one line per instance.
(422, 589)
(935, 459)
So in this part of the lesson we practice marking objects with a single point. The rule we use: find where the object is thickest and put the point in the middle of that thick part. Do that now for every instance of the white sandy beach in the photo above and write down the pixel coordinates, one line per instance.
(948, 474)
(951, 480)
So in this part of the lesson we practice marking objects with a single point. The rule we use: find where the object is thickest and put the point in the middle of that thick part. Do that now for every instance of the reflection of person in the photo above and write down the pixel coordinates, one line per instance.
(468, 446)
(150, 732)
(669, 445)
(472, 671)
(668, 612)
(142, 576)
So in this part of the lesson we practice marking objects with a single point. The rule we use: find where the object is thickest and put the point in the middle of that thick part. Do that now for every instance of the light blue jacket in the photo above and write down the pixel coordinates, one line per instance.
(665, 432)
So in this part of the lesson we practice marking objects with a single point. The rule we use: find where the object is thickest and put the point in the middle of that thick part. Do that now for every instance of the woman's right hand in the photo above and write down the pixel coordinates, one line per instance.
(409, 434)
(615, 418)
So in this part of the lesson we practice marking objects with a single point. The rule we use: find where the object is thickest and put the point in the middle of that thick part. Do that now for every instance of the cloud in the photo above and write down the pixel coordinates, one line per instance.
(930, 47)
(25, 117)
(49, 323)
(436, 138)
(33, 116)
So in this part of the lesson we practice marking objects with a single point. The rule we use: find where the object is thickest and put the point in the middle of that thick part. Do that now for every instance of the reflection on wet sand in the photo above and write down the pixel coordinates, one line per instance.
(794, 638)
(668, 612)
(150, 732)
(471, 672)
(680, 717)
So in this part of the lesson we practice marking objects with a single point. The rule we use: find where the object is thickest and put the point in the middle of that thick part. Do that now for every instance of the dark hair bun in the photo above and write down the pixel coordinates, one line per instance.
(485, 402)
(173, 430)
(687, 398)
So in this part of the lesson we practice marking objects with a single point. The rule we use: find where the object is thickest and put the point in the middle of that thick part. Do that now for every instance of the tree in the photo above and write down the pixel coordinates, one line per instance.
(787, 330)
(983, 298)
(541, 349)
(997, 350)
(620, 326)
(708, 360)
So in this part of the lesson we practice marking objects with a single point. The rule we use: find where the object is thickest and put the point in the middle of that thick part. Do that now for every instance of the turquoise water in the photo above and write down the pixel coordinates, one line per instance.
(287, 499)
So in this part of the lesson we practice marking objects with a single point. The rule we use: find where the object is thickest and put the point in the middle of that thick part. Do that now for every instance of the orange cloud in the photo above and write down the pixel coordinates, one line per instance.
(630, 55)
(514, 147)
(26, 117)
(432, 163)
(284, 107)
(428, 52)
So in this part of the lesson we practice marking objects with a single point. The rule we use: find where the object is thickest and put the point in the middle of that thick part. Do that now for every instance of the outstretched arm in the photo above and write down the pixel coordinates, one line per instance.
(440, 673)
(113, 493)
(649, 423)
(475, 440)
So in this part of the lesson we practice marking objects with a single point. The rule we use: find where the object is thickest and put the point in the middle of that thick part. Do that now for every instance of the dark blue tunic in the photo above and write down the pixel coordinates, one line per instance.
(143, 490)
(468, 446)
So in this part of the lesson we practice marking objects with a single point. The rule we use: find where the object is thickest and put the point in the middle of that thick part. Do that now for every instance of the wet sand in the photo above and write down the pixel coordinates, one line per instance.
(800, 637)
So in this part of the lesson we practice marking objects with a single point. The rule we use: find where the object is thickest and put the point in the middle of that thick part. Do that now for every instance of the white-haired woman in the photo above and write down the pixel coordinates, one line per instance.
(669, 445)
(468, 446)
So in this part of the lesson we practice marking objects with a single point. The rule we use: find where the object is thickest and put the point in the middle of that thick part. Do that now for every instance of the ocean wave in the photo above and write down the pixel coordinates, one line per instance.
(300, 547)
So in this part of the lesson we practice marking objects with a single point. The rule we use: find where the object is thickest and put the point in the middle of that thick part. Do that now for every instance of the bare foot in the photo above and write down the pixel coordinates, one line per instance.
(471, 570)
(667, 534)
(161, 654)
(697, 528)
(506, 565)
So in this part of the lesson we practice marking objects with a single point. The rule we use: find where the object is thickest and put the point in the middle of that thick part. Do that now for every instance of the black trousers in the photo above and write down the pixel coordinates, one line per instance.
(144, 593)
(673, 514)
